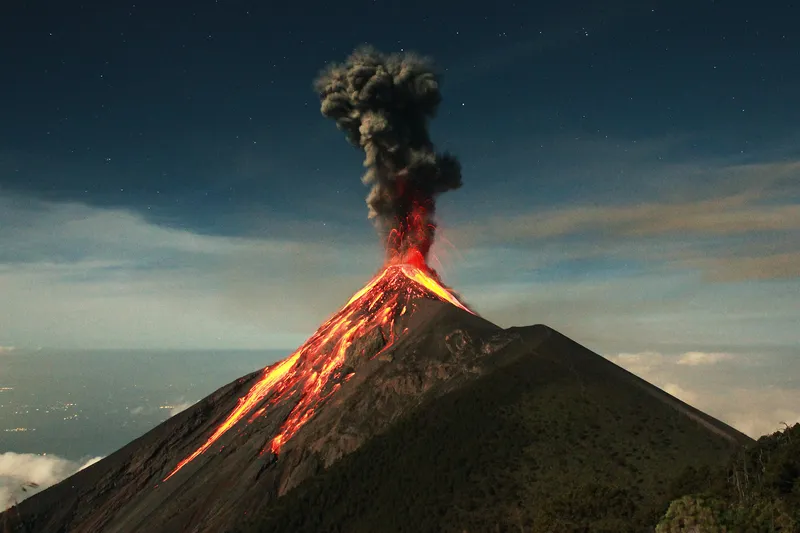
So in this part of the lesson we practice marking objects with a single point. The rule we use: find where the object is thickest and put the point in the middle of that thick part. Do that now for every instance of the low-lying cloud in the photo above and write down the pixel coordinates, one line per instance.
(171, 409)
(139, 284)
(702, 358)
(751, 409)
(179, 408)
(24, 474)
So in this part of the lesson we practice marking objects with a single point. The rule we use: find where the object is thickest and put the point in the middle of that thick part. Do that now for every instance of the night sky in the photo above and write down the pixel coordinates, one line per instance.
(630, 177)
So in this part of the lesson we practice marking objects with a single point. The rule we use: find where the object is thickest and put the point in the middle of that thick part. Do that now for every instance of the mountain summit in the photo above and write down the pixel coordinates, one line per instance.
(404, 403)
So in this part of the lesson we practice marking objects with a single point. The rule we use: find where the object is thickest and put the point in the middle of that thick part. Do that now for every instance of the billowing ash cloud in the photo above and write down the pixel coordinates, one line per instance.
(383, 104)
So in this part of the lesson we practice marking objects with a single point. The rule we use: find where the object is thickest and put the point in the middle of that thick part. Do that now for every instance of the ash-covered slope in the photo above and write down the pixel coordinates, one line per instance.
(436, 403)
(550, 438)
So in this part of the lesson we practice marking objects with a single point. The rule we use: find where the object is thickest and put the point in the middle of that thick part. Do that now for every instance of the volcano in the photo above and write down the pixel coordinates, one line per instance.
(405, 411)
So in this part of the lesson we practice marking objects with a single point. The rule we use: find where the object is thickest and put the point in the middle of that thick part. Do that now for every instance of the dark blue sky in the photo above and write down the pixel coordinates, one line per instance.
(195, 112)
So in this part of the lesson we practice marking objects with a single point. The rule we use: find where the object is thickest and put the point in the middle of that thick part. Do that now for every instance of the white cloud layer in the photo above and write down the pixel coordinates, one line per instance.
(702, 358)
(179, 408)
(752, 409)
(19, 470)
(106, 278)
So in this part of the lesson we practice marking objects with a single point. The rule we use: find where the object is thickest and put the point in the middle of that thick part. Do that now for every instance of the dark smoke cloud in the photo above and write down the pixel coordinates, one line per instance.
(383, 104)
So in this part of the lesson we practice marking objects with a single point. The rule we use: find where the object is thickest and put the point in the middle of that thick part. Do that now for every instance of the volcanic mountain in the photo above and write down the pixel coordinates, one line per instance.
(405, 411)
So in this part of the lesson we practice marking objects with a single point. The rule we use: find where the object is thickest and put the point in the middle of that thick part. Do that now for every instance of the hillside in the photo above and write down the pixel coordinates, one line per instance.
(554, 438)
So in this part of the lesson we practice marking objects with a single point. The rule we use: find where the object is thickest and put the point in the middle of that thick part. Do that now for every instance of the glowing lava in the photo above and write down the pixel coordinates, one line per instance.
(313, 373)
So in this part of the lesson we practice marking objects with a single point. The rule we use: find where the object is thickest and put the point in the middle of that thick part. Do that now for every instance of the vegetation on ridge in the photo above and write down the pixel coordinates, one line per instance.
(757, 491)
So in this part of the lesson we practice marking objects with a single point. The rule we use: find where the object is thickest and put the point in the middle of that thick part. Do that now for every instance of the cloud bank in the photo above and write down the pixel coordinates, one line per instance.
(751, 408)
(19, 469)
(179, 408)
(108, 278)
(702, 358)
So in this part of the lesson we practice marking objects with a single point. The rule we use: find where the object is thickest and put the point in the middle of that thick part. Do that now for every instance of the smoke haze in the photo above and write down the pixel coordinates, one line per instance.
(383, 104)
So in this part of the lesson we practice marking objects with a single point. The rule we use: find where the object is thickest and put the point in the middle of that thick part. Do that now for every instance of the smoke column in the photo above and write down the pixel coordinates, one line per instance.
(383, 104)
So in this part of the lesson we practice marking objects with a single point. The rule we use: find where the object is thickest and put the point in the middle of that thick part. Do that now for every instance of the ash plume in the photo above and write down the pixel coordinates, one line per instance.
(383, 104)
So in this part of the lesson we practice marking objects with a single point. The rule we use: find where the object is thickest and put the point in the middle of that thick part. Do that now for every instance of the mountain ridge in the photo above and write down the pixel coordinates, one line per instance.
(571, 472)
(443, 349)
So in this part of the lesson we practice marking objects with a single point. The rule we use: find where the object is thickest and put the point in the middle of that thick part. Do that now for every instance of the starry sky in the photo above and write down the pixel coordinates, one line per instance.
(630, 178)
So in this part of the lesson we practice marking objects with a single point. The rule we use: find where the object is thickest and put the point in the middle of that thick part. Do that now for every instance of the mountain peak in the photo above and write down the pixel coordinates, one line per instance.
(324, 362)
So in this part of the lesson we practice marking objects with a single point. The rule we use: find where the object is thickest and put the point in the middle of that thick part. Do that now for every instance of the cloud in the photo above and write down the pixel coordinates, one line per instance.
(679, 392)
(702, 358)
(617, 308)
(19, 469)
(717, 216)
(179, 408)
(732, 269)
(108, 278)
(727, 215)
(756, 422)
(638, 363)
(752, 409)
(747, 409)
(171, 408)
(741, 222)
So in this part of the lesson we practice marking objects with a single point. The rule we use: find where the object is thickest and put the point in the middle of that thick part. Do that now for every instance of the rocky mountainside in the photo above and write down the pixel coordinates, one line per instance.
(548, 438)
(404, 404)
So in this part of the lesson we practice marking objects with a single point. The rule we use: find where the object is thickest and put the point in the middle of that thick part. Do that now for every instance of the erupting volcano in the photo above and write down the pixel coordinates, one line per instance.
(405, 411)
(315, 370)
(383, 104)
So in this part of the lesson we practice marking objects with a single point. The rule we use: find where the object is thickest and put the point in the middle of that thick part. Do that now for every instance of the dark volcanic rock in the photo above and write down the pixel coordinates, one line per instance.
(444, 354)
(552, 438)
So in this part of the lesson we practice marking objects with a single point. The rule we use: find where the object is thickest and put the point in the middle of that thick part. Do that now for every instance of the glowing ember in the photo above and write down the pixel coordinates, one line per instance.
(314, 371)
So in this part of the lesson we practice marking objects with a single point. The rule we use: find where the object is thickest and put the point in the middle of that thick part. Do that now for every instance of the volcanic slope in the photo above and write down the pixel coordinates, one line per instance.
(430, 419)
(551, 438)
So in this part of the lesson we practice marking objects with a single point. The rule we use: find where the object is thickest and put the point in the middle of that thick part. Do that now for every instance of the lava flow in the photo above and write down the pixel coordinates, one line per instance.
(314, 371)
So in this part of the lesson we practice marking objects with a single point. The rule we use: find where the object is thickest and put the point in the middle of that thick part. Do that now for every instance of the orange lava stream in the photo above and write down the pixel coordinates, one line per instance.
(271, 377)
(318, 362)
(432, 285)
